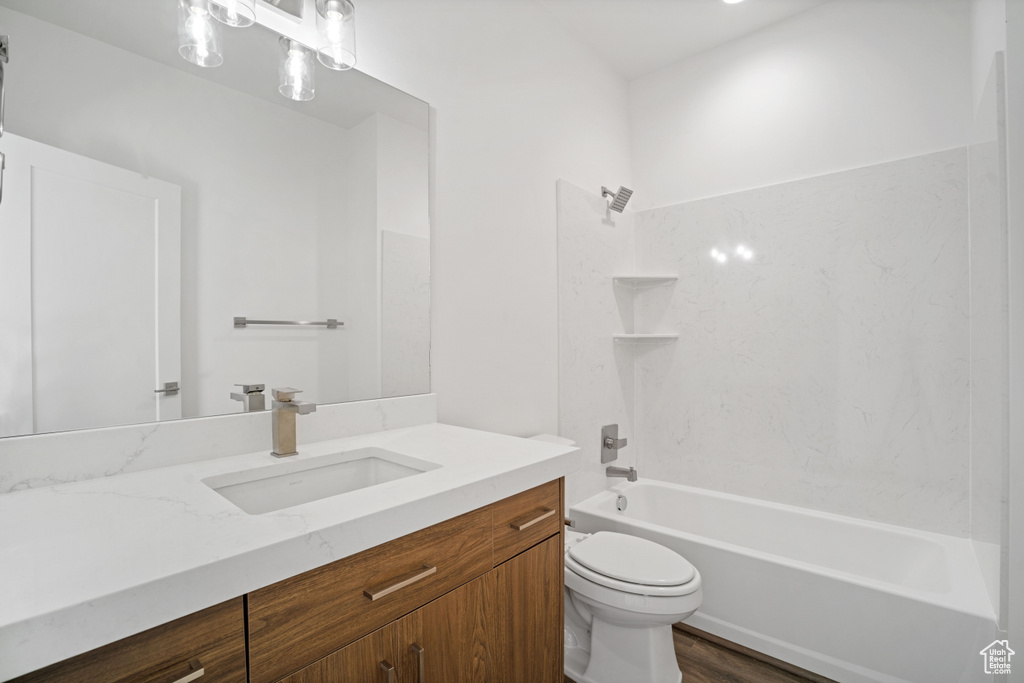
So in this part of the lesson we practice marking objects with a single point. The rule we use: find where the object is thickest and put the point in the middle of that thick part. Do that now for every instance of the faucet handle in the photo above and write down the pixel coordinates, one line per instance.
(285, 393)
(251, 388)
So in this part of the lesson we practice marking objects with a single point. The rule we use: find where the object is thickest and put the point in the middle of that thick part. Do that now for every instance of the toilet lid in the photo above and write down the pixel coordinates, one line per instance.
(632, 559)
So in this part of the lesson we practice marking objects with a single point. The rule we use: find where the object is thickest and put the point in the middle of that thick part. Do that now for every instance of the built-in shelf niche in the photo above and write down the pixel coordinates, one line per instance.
(637, 282)
(645, 338)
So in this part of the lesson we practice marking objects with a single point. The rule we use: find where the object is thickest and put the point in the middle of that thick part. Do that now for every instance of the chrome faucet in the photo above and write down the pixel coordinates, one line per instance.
(251, 396)
(629, 474)
(284, 411)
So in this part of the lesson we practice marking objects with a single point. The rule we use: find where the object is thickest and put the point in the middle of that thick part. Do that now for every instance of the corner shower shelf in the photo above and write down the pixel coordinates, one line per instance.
(645, 338)
(635, 282)
(644, 280)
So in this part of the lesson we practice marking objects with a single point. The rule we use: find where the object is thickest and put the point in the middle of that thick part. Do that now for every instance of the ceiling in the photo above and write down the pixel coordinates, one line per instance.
(637, 37)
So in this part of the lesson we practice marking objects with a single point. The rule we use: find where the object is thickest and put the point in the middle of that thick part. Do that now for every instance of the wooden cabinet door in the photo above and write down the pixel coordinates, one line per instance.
(212, 640)
(298, 621)
(455, 634)
(527, 625)
(364, 661)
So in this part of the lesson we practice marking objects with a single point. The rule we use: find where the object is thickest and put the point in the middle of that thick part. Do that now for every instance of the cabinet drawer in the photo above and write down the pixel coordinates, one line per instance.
(299, 620)
(526, 519)
(212, 641)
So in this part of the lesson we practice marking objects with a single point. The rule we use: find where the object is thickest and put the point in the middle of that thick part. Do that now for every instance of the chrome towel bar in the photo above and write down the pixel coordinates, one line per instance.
(330, 323)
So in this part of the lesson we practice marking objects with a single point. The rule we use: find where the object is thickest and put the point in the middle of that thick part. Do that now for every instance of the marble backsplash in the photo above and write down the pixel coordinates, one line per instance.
(46, 459)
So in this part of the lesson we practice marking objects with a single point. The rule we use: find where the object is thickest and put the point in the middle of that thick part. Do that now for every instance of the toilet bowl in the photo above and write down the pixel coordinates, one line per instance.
(622, 595)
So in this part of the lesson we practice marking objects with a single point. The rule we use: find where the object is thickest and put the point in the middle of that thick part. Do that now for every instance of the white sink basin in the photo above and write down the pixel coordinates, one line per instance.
(285, 485)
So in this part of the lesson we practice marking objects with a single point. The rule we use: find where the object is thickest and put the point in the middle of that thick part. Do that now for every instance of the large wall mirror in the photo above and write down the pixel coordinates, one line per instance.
(148, 202)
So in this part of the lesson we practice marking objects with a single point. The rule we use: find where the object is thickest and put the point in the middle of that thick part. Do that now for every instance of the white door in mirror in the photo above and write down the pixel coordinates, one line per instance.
(89, 293)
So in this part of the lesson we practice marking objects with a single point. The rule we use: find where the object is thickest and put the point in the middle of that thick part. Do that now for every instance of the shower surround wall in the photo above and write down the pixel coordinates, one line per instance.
(990, 362)
(829, 371)
(595, 376)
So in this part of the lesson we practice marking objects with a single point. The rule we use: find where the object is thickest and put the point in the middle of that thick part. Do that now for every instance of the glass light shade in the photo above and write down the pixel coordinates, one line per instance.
(336, 26)
(239, 13)
(198, 33)
(297, 71)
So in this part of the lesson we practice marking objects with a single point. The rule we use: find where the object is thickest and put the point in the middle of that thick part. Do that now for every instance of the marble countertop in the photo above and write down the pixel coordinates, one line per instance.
(87, 563)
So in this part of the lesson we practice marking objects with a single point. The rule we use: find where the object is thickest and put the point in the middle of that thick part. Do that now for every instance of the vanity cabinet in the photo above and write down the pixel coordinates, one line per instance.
(299, 620)
(527, 607)
(477, 598)
(205, 646)
(446, 640)
(499, 628)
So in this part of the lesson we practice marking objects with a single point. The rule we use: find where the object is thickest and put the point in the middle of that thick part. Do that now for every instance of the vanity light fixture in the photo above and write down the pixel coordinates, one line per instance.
(199, 40)
(237, 13)
(198, 33)
(297, 71)
(731, 2)
(335, 24)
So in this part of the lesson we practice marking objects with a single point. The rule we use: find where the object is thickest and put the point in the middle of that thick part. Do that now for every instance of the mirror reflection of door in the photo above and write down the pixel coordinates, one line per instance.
(93, 353)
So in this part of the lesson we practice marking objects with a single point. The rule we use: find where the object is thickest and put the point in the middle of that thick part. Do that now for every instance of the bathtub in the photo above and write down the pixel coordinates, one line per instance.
(845, 598)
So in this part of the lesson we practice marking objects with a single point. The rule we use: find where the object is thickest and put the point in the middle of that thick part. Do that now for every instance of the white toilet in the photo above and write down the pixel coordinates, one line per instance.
(622, 595)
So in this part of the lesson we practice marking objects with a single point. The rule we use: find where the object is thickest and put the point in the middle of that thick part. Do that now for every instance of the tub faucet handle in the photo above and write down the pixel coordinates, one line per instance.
(615, 444)
(611, 443)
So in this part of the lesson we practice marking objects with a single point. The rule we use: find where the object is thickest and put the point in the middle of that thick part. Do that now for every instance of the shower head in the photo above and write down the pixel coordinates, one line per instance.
(619, 198)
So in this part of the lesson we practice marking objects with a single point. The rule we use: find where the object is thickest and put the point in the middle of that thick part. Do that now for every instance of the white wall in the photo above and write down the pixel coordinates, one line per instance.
(517, 104)
(988, 36)
(1015, 126)
(403, 161)
(362, 262)
(847, 84)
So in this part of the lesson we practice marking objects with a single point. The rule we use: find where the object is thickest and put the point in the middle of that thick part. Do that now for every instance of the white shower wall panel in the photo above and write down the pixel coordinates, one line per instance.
(990, 348)
(596, 376)
(830, 370)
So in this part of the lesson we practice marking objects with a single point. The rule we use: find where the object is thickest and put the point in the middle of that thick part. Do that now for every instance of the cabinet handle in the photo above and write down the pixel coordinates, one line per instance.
(529, 520)
(389, 669)
(420, 656)
(401, 582)
(195, 671)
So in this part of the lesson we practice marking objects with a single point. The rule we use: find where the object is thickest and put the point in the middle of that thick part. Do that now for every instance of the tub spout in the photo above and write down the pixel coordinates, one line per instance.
(629, 474)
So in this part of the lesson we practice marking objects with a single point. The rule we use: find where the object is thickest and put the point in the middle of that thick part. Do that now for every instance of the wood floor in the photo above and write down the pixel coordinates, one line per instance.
(704, 661)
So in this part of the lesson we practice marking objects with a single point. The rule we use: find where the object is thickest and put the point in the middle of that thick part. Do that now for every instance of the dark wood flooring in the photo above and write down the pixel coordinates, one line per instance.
(703, 658)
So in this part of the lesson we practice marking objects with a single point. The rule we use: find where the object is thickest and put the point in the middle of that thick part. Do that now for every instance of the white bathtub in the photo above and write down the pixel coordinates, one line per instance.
(848, 599)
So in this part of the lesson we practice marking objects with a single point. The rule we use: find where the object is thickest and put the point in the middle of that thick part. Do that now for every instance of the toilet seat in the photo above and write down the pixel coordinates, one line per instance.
(632, 565)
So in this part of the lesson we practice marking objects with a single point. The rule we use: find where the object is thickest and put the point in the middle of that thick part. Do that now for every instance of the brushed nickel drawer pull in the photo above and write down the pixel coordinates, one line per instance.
(420, 656)
(519, 524)
(197, 671)
(389, 669)
(401, 582)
